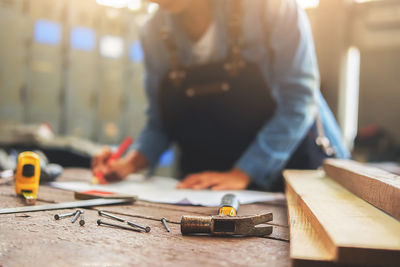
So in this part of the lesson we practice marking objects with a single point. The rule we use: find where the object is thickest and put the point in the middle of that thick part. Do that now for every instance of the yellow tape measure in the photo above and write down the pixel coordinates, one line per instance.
(27, 176)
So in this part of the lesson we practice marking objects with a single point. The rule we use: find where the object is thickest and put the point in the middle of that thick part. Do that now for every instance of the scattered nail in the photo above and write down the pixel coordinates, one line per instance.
(76, 216)
(106, 214)
(164, 222)
(145, 228)
(82, 220)
(61, 216)
(100, 222)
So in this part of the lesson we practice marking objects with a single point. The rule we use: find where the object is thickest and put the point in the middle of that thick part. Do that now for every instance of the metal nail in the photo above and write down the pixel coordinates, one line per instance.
(76, 216)
(61, 216)
(100, 222)
(146, 228)
(164, 222)
(106, 214)
(82, 220)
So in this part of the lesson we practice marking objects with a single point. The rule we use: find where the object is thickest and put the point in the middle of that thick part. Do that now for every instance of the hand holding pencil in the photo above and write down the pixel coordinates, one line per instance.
(111, 167)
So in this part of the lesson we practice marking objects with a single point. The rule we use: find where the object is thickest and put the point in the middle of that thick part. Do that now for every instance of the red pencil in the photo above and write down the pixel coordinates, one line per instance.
(98, 177)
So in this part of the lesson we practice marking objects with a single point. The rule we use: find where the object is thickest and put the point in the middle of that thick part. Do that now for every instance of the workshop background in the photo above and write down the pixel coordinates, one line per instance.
(77, 66)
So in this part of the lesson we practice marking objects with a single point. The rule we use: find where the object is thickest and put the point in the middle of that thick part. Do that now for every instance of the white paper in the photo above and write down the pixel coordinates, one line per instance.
(163, 190)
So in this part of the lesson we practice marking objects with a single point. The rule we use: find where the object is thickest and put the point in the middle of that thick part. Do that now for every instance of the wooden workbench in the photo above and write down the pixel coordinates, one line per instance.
(36, 239)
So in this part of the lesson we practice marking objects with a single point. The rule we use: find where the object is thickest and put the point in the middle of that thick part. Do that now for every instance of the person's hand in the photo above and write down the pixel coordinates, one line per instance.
(234, 179)
(101, 158)
(119, 169)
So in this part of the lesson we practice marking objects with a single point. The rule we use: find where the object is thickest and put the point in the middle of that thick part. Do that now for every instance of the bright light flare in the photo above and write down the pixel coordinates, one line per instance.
(153, 7)
(365, 1)
(349, 96)
(131, 4)
(308, 3)
(135, 5)
(111, 46)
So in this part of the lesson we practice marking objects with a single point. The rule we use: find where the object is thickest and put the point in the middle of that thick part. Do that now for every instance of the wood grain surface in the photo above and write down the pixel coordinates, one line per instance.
(36, 239)
(306, 245)
(358, 232)
(376, 186)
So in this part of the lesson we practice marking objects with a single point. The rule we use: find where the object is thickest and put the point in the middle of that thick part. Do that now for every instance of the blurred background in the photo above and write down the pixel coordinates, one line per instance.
(76, 65)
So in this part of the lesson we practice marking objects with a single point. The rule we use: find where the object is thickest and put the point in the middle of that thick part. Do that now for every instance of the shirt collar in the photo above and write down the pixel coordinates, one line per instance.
(182, 41)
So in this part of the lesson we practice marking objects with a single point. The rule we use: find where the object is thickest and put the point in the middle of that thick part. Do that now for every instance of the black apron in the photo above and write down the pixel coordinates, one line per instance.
(213, 112)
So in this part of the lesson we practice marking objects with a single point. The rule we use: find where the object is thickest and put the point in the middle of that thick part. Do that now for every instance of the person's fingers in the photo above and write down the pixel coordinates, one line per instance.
(233, 184)
(117, 170)
(103, 169)
(113, 176)
(190, 180)
(97, 168)
(206, 182)
(105, 154)
(232, 180)
(105, 149)
(110, 170)
(101, 157)
(187, 183)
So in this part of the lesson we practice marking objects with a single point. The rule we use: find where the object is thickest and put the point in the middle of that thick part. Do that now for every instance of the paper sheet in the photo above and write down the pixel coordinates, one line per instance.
(162, 190)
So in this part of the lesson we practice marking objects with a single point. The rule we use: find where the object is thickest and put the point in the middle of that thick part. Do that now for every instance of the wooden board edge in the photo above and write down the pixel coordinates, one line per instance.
(310, 217)
(297, 222)
(385, 197)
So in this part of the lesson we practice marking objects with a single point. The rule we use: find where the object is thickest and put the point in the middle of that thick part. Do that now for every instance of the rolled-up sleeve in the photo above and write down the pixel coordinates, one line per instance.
(295, 83)
(152, 140)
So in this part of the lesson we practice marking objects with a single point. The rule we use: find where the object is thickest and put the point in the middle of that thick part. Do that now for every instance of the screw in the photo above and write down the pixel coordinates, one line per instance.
(76, 216)
(82, 220)
(102, 213)
(164, 222)
(147, 228)
(61, 216)
(100, 222)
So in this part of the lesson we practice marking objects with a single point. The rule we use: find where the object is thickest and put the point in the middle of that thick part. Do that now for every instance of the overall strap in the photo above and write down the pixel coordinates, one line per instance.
(235, 61)
(267, 30)
(177, 73)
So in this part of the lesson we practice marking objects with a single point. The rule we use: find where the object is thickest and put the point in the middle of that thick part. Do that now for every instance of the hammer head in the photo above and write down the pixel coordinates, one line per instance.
(226, 225)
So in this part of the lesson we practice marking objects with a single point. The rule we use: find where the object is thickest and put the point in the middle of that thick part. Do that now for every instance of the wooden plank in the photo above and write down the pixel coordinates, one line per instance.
(306, 246)
(376, 186)
(360, 233)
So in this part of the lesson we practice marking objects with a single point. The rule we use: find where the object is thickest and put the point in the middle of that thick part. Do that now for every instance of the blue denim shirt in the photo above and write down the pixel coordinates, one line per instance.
(277, 36)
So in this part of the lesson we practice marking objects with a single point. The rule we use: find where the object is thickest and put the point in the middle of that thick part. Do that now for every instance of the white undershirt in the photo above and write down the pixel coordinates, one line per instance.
(205, 49)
